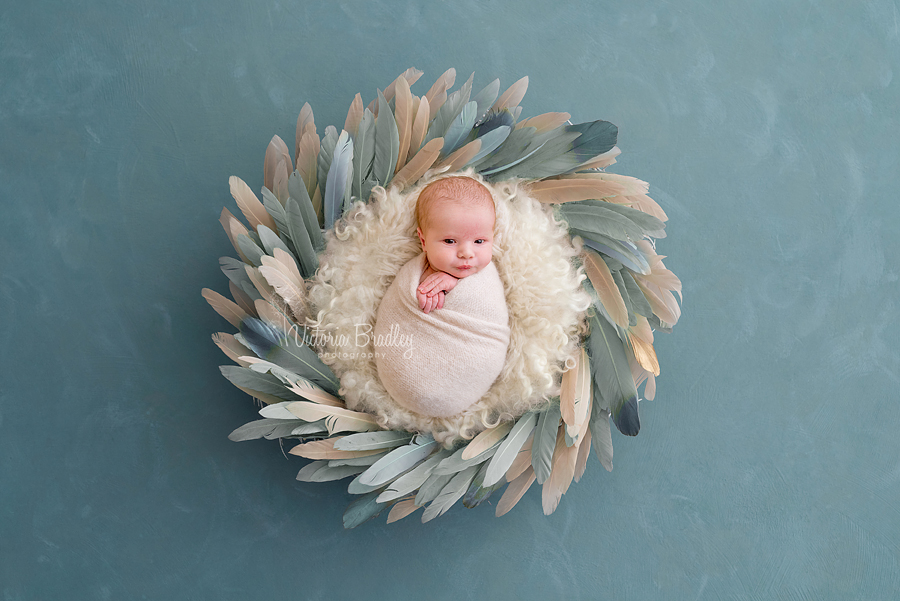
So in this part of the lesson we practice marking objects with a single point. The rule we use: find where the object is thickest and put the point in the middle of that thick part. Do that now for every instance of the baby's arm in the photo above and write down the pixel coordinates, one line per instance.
(432, 286)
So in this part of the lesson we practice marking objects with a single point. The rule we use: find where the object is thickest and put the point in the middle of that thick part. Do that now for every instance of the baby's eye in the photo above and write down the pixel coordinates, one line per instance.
(449, 240)
(480, 241)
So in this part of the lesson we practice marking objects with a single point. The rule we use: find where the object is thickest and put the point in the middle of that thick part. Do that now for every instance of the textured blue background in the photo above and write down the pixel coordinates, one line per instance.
(768, 467)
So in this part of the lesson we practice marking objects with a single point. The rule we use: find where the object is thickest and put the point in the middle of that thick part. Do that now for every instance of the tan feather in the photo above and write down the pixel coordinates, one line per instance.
(337, 419)
(231, 224)
(307, 158)
(418, 165)
(644, 203)
(402, 509)
(410, 76)
(324, 449)
(280, 183)
(224, 307)
(512, 96)
(250, 205)
(241, 298)
(545, 122)
(461, 157)
(602, 281)
(261, 285)
(601, 161)
(562, 471)
(317, 204)
(522, 461)
(574, 189)
(486, 439)
(437, 95)
(584, 451)
(661, 301)
(304, 120)
(313, 393)
(273, 316)
(403, 113)
(574, 395)
(354, 116)
(276, 151)
(630, 185)
(419, 128)
(640, 336)
(233, 349)
(290, 266)
(515, 491)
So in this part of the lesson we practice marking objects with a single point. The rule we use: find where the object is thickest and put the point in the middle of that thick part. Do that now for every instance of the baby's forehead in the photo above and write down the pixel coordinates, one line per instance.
(457, 190)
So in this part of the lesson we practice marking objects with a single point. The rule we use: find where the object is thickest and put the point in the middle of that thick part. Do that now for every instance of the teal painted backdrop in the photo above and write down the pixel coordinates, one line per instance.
(767, 468)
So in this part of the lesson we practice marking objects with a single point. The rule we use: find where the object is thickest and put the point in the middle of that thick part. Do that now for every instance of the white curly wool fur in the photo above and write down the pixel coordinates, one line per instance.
(533, 254)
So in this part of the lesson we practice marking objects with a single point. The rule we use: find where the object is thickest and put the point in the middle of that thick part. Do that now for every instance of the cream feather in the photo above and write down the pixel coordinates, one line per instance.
(324, 449)
(522, 461)
(562, 472)
(575, 395)
(403, 113)
(304, 120)
(291, 291)
(644, 203)
(545, 122)
(313, 393)
(224, 307)
(273, 316)
(584, 451)
(259, 282)
(231, 224)
(401, 509)
(602, 281)
(419, 127)
(486, 439)
(573, 189)
(601, 161)
(354, 115)
(276, 151)
(419, 164)
(337, 419)
(437, 95)
(290, 266)
(661, 301)
(307, 158)
(461, 157)
(512, 96)
(233, 349)
(515, 491)
(250, 205)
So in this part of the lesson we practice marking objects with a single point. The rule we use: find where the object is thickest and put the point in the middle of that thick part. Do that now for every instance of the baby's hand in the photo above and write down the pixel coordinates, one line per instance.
(437, 282)
(429, 303)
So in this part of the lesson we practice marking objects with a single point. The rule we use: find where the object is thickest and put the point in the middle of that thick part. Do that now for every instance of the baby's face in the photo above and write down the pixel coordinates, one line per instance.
(459, 239)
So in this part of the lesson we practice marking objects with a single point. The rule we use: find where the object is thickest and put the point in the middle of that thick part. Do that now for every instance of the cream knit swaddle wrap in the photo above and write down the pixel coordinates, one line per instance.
(438, 364)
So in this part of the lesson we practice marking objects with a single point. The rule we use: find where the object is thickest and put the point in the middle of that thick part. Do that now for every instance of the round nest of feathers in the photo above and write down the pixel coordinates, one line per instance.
(567, 307)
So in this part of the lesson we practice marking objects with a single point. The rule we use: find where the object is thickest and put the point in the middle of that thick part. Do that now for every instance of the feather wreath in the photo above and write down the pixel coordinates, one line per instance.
(395, 142)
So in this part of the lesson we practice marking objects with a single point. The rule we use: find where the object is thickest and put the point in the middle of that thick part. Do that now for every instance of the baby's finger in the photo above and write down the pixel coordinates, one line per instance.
(440, 301)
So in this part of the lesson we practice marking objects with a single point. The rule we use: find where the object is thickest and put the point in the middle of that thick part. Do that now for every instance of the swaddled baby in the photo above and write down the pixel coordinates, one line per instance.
(442, 329)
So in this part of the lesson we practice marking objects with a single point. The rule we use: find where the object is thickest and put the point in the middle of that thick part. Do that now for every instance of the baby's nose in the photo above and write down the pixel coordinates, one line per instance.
(465, 251)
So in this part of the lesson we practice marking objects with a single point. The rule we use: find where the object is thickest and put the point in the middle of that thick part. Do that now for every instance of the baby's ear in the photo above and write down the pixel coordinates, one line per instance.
(421, 237)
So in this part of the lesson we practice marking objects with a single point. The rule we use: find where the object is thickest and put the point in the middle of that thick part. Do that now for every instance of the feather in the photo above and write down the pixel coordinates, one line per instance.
(249, 248)
(299, 232)
(271, 241)
(485, 99)
(661, 300)
(262, 286)
(262, 397)
(639, 304)
(366, 441)
(485, 440)
(320, 471)
(324, 449)
(387, 143)
(337, 419)
(418, 165)
(461, 157)
(545, 122)
(437, 95)
(645, 204)
(249, 204)
(276, 152)
(622, 251)
(410, 76)
(362, 510)
(236, 272)
(326, 154)
(509, 448)
(308, 160)
(275, 207)
(612, 375)
(452, 492)
(460, 127)
(231, 347)
(564, 459)
(273, 316)
(650, 225)
(245, 379)
(336, 183)
(597, 217)
(602, 280)
(573, 189)
(522, 461)
(224, 307)
(455, 463)
(584, 451)
(404, 116)
(478, 492)
(271, 345)
(642, 335)
(309, 391)
(280, 183)
(402, 509)
(231, 225)
(575, 395)
(305, 123)
(288, 266)
(543, 156)
(286, 287)
(432, 487)
(544, 441)
(601, 437)
(490, 141)
(357, 461)
(419, 127)
(515, 491)
(364, 153)
(512, 96)
(565, 149)
(354, 115)
(243, 301)
(307, 214)
(398, 461)
(414, 478)
(260, 428)
(601, 161)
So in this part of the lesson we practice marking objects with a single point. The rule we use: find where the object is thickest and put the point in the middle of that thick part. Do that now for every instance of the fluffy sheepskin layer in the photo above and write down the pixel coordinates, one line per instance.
(534, 256)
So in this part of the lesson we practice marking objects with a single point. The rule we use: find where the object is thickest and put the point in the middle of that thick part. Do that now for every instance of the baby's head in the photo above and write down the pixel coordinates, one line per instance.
(456, 225)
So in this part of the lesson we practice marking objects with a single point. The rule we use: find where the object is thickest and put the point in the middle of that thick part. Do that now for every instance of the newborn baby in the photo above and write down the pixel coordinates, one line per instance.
(442, 329)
